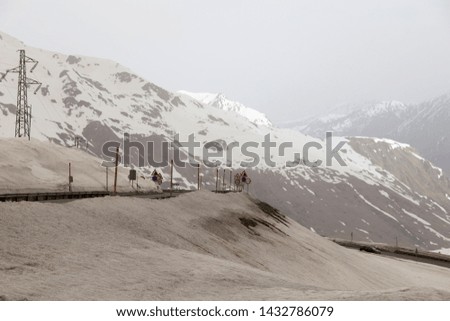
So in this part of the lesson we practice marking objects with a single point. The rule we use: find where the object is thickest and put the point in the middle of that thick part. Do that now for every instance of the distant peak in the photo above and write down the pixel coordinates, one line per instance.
(220, 101)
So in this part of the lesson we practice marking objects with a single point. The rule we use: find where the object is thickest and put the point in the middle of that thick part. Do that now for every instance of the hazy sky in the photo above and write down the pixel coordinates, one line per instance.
(286, 58)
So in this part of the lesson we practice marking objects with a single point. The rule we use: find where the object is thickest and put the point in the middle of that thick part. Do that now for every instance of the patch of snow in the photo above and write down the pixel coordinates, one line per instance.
(310, 191)
(439, 206)
(442, 251)
(377, 208)
(441, 218)
(385, 194)
(361, 230)
(414, 216)
(439, 235)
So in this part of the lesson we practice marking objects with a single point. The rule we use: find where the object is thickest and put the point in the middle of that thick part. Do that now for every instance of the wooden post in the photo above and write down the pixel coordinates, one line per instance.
(171, 177)
(115, 172)
(217, 180)
(223, 180)
(198, 176)
(231, 174)
(396, 241)
(107, 174)
(351, 236)
(70, 177)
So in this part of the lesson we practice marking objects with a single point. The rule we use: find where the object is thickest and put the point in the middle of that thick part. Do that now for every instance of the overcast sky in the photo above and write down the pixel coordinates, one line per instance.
(288, 59)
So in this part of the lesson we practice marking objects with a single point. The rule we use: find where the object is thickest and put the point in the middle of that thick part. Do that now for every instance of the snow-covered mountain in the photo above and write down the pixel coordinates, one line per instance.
(374, 196)
(221, 102)
(424, 126)
(360, 119)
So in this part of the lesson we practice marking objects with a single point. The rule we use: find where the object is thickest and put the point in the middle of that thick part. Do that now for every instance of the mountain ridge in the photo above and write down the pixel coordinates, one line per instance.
(423, 126)
(100, 100)
(221, 102)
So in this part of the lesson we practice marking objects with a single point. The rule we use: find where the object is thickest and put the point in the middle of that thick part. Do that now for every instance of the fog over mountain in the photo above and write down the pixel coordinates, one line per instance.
(424, 126)
(287, 61)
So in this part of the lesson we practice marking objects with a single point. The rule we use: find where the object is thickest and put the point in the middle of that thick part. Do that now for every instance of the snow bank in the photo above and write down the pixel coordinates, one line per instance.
(198, 246)
(34, 166)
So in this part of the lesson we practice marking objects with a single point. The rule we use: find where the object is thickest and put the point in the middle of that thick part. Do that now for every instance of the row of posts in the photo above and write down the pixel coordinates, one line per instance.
(199, 176)
(224, 185)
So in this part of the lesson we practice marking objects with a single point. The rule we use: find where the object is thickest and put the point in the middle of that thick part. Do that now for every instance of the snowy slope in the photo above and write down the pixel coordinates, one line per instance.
(185, 249)
(34, 166)
(100, 100)
(221, 102)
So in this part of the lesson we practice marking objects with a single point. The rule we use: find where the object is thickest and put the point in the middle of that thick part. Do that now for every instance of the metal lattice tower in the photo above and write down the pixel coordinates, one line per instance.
(23, 112)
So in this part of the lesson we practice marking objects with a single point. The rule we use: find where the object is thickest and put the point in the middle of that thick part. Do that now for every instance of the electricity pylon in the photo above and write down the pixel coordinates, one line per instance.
(23, 112)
